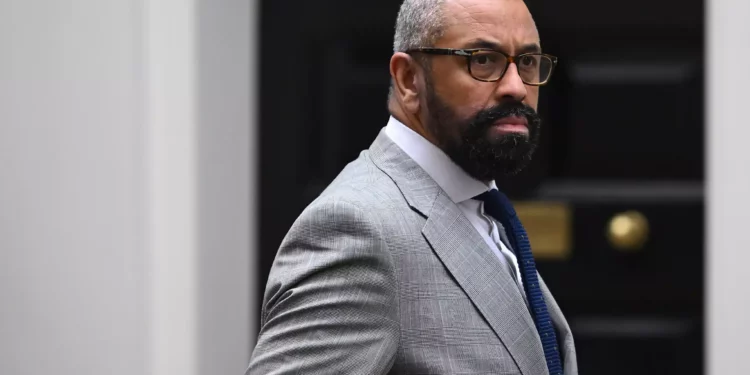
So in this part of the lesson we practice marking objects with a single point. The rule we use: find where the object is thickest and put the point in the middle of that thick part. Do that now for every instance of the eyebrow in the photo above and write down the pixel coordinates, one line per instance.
(483, 43)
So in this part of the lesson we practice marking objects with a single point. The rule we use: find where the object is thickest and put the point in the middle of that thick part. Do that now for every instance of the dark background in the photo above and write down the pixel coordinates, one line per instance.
(623, 130)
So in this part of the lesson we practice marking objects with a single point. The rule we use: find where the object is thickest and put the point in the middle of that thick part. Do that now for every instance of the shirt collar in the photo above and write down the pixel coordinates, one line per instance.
(448, 175)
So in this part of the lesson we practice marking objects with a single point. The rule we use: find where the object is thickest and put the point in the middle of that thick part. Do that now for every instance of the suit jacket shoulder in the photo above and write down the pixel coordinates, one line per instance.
(331, 303)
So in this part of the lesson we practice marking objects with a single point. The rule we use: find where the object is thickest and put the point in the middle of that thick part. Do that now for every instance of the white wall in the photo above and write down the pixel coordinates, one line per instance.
(728, 130)
(126, 167)
(226, 190)
(72, 196)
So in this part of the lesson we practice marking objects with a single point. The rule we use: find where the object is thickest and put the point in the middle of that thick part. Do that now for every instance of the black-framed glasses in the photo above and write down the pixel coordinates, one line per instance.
(487, 65)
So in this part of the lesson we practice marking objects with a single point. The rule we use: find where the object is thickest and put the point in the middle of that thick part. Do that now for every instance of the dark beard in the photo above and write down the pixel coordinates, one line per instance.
(468, 142)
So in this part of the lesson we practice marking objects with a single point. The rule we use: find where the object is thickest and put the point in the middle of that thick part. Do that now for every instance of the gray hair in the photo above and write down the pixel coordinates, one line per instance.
(419, 24)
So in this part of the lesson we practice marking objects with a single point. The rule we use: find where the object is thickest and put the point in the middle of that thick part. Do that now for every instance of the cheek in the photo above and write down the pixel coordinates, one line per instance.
(456, 88)
(467, 97)
(473, 101)
(532, 97)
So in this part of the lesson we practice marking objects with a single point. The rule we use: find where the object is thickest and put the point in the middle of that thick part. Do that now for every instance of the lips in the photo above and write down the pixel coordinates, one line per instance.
(512, 121)
(512, 124)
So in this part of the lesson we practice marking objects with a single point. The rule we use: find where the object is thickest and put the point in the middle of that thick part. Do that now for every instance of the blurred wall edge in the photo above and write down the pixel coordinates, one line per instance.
(127, 187)
(729, 186)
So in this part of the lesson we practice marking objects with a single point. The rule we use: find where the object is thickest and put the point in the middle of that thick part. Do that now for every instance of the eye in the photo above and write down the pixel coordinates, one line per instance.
(526, 62)
(484, 59)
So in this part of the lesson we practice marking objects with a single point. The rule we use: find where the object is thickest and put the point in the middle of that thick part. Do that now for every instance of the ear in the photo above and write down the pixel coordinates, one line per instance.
(405, 75)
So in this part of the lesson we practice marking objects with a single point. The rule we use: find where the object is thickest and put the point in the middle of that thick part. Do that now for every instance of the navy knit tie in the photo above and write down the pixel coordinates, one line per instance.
(500, 207)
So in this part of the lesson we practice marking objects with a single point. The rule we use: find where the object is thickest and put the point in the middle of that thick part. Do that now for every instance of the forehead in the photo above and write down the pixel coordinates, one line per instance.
(507, 23)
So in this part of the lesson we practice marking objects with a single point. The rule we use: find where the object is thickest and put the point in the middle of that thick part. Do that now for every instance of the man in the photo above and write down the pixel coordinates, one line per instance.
(411, 261)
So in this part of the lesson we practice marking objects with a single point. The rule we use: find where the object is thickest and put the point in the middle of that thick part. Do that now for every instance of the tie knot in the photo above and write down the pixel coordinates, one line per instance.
(497, 204)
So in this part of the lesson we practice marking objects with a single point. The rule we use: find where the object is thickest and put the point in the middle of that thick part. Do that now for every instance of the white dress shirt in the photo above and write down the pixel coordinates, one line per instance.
(458, 185)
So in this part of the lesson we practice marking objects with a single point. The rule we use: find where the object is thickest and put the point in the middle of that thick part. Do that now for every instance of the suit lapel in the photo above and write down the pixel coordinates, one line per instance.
(564, 334)
(483, 278)
(466, 256)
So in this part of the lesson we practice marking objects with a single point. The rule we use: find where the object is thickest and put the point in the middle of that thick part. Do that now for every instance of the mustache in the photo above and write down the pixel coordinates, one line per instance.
(487, 117)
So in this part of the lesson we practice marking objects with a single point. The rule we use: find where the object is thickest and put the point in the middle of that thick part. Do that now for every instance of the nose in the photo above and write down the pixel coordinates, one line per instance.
(511, 86)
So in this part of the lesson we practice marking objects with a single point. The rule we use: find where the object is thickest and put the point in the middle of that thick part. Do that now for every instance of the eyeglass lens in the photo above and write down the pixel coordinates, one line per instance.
(490, 66)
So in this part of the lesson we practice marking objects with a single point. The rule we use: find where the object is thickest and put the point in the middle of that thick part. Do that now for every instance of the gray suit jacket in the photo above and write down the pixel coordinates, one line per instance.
(383, 274)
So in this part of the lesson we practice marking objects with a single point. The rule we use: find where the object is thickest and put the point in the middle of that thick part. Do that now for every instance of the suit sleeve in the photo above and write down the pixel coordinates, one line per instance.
(330, 305)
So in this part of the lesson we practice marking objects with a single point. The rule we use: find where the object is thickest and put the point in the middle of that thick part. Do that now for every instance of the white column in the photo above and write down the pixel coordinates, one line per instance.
(171, 165)
(728, 131)
(226, 146)
(74, 252)
(127, 166)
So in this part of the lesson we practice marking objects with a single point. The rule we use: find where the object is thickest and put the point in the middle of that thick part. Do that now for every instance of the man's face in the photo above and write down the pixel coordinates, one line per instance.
(490, 129)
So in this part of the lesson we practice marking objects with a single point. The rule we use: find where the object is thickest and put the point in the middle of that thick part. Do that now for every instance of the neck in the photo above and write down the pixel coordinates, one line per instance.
(411, 120)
